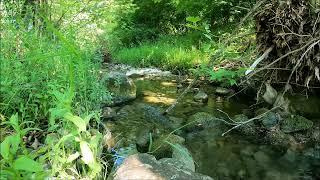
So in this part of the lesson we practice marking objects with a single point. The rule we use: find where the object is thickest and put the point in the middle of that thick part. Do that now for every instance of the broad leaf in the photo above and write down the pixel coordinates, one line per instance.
(24, 163)
(193, 19)
(87, 154)
(79, 122)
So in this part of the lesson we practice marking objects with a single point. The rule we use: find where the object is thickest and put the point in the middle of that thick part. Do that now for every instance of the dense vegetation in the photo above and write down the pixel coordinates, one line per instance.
(52, 88)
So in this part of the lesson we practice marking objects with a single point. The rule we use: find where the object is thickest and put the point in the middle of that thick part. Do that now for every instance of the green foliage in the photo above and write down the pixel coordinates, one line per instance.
(17, 162)
(50, 65)
(169, 52)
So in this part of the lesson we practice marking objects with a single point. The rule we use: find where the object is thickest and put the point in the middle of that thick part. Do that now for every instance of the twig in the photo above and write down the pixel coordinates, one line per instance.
(250, 120)
(298, 63)
(180, 97)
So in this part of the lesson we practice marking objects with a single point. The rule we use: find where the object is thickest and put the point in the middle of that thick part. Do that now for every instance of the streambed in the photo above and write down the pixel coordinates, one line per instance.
(233, 156)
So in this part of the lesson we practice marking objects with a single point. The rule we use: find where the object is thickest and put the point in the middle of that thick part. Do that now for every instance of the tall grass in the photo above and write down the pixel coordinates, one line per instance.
(49, 80)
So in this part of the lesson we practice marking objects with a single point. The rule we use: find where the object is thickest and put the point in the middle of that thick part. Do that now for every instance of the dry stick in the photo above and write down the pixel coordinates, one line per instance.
(250, 120)
(180, 97)
(298, 63)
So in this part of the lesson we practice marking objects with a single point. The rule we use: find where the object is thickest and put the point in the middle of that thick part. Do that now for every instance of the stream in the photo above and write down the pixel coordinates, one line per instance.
(233, 156)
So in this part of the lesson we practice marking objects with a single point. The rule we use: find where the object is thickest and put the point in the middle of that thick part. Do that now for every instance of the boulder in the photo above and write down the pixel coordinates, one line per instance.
(201, 97)
(121, 87)
(146, 167)
(295, 123)
(222, 91)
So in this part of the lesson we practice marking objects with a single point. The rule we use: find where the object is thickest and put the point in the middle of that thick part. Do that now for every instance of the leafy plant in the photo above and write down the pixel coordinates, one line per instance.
(17, 162)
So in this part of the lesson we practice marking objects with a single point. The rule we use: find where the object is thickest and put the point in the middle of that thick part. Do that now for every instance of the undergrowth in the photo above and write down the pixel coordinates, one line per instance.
(49, 91)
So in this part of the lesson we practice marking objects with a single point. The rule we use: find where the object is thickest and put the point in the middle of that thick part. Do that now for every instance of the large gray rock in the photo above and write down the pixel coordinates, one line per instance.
(121, 87)
(146, 167)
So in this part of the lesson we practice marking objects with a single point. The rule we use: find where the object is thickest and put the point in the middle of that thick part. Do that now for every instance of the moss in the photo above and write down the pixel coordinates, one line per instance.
(295, 123)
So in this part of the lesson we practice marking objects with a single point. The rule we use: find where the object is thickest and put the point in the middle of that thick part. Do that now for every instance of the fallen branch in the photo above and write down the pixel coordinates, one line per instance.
(239, 124)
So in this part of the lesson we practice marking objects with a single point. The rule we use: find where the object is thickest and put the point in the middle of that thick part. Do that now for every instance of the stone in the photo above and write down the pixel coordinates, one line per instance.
(182, 154)
(142, 72)
(121, 87)
(143, 138)
(200, 121)
(161, 149)
(295, 123)
(222, 91)
(270, 94)
(108, 113)
(146, 167)
(270, 120)
(201, 97)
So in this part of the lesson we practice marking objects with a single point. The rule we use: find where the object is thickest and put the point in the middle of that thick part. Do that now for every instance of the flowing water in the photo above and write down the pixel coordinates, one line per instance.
(232, 156)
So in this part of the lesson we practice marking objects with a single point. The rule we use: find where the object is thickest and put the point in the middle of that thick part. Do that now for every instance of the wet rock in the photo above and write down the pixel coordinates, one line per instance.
(200, 121)
(201, 97)
(316, 135)
(143, 138)
(279, 138)
(247, 129)
(270, 120)
(182, 154)
(313, 153)
(144, 112)
(262, 158)
(141, 72)
(154, 114)
(295, 123)
(122, 88)
(222, 91)
(161, 147)
(146, 167)
(108, 113)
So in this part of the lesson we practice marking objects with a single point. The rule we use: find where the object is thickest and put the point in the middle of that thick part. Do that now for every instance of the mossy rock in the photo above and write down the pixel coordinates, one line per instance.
(200, 121)
(295, 123)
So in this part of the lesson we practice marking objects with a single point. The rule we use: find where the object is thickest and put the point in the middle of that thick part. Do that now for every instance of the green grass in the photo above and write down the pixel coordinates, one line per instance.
(169, 52)
(188, 51)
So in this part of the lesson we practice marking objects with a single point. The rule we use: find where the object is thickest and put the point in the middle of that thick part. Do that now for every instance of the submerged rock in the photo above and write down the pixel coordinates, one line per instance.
(200, 121)
(146, 167)
(108, 113)
(122, 88)
(295, 123)
(270, 120)
(162, 147)
(201, 97)
(222, 91)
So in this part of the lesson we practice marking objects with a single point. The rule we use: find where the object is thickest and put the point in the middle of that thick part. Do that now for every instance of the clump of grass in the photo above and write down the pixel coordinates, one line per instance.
(170, 52)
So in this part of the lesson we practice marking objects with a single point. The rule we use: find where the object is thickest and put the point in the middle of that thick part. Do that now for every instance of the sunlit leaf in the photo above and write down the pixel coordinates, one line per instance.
(86, 153)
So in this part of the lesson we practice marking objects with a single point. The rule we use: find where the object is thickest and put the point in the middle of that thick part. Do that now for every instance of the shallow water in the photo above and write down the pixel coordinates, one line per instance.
(232, 156)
